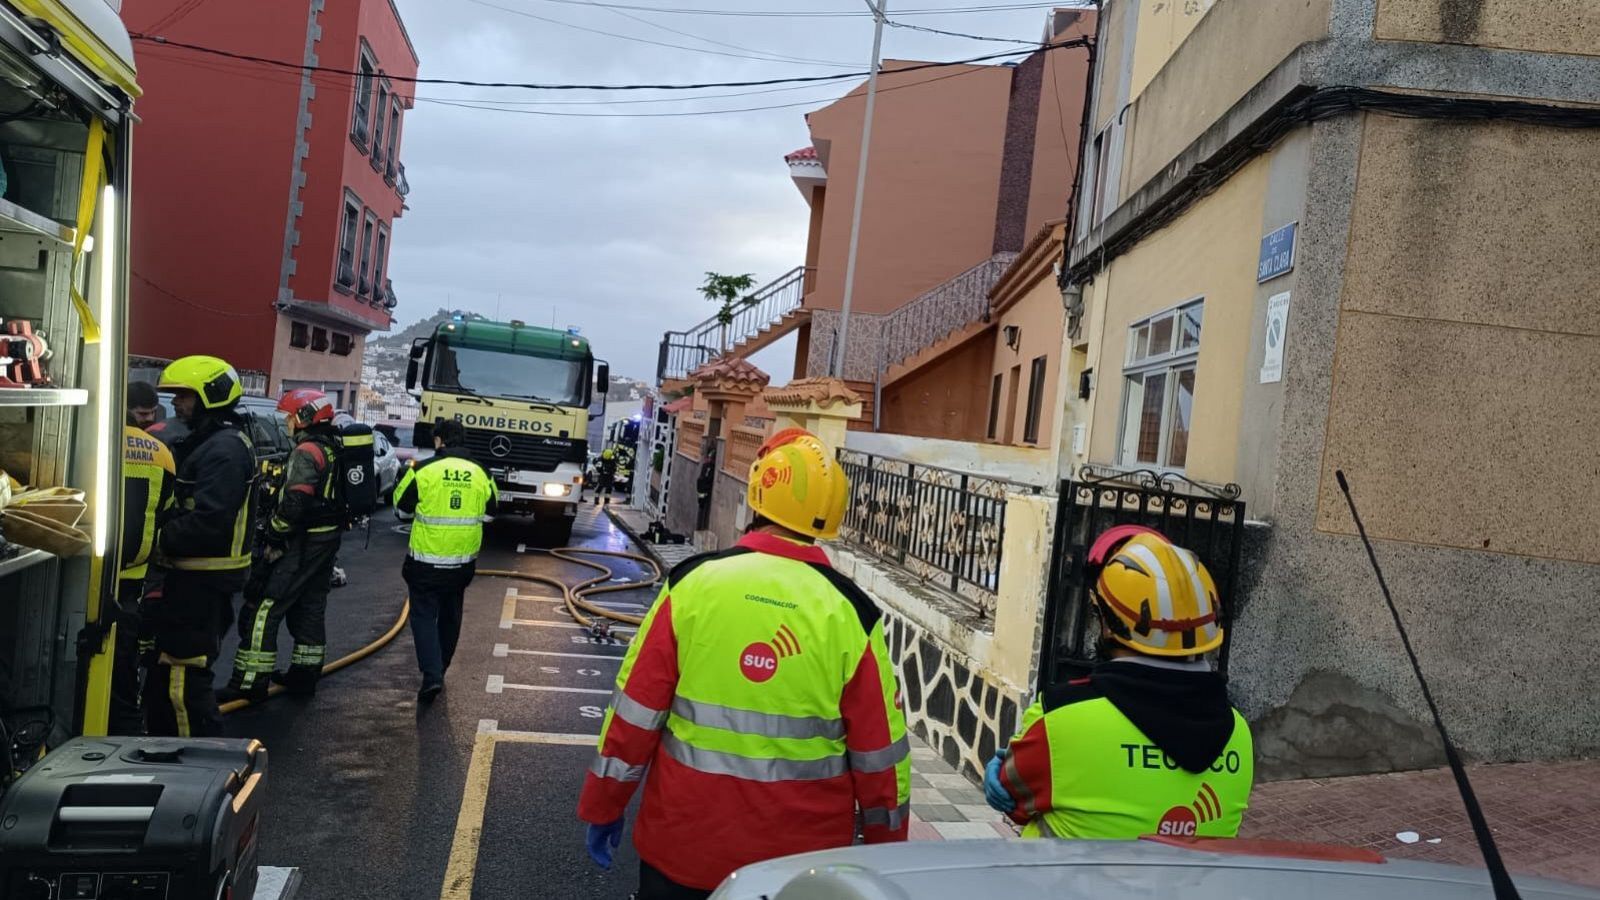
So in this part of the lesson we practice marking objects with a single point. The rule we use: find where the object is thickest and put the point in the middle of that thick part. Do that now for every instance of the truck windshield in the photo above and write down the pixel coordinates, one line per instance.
(492, 373)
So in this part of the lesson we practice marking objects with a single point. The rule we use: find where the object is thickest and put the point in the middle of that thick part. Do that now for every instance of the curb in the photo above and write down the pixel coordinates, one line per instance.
(645, 546)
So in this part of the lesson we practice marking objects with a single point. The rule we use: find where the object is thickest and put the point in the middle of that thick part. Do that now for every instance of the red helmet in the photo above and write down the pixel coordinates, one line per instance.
(307, 406)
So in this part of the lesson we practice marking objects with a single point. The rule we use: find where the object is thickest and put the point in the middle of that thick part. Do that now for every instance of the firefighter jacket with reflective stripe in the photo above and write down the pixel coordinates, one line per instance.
(210, 526)
(147, 475)
(1136, 748)
(447, 496)
(760, 697)
(306, 500)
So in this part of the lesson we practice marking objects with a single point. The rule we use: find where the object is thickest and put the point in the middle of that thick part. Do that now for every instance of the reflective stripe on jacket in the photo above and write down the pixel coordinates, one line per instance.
(448, 495)
(1079, 768)
(760, 697)
(307, 502)
(147, 475)
(209, 527)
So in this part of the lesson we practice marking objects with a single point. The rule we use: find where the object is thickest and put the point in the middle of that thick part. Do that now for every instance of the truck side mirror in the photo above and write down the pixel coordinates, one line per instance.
(419, 349)
(602, 378)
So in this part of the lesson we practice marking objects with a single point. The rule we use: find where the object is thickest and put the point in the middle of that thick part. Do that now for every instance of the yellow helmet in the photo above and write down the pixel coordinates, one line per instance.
(797, 483)
(216, 382)
(1154, 596)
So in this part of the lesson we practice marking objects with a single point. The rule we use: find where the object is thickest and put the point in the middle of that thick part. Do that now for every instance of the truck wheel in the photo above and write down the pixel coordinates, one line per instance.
(557, 533)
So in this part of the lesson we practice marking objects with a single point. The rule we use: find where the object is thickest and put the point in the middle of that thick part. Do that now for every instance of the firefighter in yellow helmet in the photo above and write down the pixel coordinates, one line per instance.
(758, 742)
(1147, 743)
(202, 552)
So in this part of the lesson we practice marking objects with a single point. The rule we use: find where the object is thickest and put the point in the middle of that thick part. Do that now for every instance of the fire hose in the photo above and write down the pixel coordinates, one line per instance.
(574, 594)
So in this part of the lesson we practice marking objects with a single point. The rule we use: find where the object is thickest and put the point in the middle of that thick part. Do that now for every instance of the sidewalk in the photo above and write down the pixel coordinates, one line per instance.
(634, 522)
(1540, 814)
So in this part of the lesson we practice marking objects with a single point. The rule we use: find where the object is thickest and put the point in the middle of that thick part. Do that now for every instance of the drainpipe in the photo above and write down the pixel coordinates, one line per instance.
(1075, 199)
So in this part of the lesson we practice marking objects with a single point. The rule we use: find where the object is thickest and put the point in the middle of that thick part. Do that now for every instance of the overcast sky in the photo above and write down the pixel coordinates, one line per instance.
(608, 223)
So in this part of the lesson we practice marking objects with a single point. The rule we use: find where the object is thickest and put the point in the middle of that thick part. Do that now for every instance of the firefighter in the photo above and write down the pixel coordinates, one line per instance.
(606, 475)
(202, 555)
(147, 480)
(1147, 743)
(759, 696)
(448, 497)
(291, 579)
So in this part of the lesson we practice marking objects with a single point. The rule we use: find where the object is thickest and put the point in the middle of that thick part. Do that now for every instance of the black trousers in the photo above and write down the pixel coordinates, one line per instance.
(438, 594)
(126, 716)
(294, 589)
(655, 886)
(185, 618)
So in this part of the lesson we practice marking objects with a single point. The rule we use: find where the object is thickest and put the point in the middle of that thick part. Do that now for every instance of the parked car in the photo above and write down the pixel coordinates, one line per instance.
(403, 437)
(268, 432)
(1103, 869)
(386, 460)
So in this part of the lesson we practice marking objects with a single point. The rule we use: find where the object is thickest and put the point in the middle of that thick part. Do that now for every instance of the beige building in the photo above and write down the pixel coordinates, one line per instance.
(1358, 235)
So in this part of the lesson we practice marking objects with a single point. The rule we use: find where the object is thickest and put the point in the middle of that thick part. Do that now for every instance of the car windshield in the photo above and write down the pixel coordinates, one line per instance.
(491, 373)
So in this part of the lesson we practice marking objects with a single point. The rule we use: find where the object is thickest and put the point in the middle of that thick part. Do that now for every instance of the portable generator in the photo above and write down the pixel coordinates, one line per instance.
(135, 819)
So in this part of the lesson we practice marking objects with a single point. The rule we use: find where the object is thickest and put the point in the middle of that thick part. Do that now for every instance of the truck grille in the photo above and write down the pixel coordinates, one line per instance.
(537, 453)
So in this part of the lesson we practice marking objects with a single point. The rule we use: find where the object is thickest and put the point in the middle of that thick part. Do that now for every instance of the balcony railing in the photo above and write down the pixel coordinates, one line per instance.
(684, 351)
(943, 526)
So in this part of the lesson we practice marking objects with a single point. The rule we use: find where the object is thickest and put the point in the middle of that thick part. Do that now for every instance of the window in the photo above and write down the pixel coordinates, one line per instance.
(360, 125)
(394, 135)
(1158, 405)
(342, 344)
(299, 335)
(1030, 423)
(994, 404)
(346, 275)
(319, 340)
(380, 259)
(365, 271)
(494, 372)
(377, 125)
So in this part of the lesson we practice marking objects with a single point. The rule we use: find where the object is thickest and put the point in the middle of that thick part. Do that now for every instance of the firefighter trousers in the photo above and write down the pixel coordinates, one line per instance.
(438, 594)
(184, 618)
(126, 716)
(294, 589)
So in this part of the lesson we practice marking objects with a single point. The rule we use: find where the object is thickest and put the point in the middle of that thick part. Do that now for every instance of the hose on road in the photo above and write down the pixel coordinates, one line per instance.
(574, 594)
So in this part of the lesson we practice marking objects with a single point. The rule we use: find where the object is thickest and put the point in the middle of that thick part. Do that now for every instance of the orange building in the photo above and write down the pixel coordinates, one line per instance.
(968, 164)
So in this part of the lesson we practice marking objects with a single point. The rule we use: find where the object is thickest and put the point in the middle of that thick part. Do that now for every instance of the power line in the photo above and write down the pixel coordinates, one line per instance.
(540, 86)
(975, 37)
(201, 306)
(640, 40)
(691, 35)
(809, 14)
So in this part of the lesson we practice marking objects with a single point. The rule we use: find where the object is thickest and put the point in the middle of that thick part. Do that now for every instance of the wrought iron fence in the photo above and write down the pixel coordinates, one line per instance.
(682, 352)
(944, 526)
(1206, 519)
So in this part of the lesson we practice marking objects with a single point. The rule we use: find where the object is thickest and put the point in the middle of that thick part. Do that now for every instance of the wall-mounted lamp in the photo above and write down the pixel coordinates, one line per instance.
(1013, 336)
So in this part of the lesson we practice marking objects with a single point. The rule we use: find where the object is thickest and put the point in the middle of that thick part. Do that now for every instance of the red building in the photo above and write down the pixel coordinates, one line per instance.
(267, 196)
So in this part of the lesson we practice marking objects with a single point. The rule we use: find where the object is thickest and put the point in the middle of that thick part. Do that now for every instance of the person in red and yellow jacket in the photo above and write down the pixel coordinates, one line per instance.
(1147, 743)
(759, 696)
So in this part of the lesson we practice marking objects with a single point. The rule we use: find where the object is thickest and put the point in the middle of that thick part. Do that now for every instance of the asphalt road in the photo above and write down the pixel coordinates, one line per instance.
(365, 789)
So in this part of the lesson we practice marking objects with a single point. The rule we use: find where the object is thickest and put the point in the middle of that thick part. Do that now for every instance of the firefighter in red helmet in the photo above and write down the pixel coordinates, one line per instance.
(294, 571)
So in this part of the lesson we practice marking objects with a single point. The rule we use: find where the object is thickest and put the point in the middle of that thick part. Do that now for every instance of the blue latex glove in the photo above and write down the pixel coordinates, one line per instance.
(993, 790)
(602, 841)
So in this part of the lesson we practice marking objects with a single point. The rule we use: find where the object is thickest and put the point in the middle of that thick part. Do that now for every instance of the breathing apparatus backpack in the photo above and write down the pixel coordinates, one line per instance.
(356, 471)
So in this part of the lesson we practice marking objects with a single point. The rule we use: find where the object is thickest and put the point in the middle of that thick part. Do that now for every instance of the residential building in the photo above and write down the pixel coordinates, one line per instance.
(964, 168)
(268, 198)
(1346, 235)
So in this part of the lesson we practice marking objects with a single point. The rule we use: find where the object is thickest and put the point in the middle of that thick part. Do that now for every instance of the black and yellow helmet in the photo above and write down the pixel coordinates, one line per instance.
(216, 382)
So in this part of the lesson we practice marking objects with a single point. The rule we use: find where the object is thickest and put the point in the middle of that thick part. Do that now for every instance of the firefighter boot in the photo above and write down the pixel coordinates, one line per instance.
(299, 681)
(233, 691)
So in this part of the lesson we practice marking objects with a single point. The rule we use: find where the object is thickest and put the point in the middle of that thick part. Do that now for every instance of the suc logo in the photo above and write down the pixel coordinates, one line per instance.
(759, 661)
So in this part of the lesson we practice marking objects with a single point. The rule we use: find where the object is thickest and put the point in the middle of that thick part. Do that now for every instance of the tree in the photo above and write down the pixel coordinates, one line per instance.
(729, 291)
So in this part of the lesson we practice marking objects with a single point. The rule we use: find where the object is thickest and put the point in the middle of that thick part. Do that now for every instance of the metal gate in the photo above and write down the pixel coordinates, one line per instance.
(1203, 518)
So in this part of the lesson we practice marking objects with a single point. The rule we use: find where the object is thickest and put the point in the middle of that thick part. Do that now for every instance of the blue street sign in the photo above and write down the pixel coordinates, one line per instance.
(1277, 253)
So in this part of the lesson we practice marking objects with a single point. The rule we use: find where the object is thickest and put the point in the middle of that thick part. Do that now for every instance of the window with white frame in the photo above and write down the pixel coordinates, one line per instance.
(360, 124)
(1158, 396)
(349, 229)
(380, 258)
(394, 134)
(368, 228)
(381, 110)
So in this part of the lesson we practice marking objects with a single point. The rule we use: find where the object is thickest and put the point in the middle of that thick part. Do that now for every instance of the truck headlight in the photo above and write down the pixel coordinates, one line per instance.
(556, 490)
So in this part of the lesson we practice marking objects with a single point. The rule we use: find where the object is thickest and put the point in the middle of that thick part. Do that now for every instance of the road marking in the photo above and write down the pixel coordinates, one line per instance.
(609, 604)
(497, 684)
(620, 634)
(504, 650)
(469, 821)
(508, 609)
(463, 865)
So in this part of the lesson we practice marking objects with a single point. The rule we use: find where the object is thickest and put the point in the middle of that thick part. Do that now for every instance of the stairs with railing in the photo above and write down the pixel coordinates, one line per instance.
(766, 315)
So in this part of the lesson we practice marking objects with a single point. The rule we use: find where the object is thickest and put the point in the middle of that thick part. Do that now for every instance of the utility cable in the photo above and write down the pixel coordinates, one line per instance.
(702, 38)
(810, 13)
(973, 37)
(541, 86)
(625, 37)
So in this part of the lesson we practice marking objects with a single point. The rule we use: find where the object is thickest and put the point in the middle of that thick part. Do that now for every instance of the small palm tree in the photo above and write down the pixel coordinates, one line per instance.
(730, 292)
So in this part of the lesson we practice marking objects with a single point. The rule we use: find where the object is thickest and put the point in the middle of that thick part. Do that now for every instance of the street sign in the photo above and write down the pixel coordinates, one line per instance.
(1277, 334)
(1277, 253)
